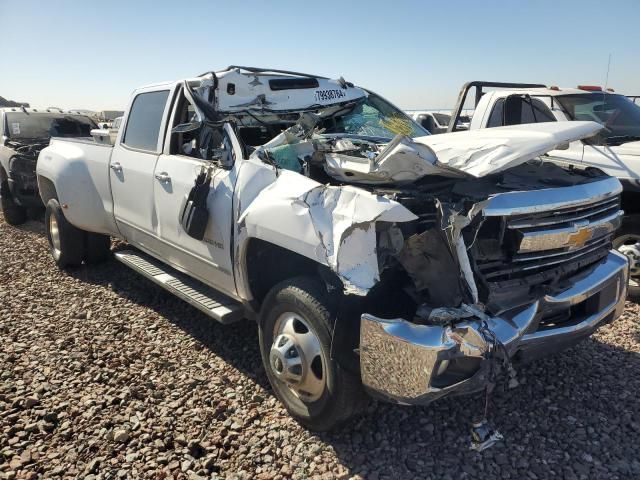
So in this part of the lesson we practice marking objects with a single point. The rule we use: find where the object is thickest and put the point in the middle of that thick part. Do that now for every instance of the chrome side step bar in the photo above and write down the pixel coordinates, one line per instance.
(214, 304)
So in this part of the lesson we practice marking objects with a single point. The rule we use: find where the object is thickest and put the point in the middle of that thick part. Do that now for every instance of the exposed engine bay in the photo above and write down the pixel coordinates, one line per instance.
(22, 165)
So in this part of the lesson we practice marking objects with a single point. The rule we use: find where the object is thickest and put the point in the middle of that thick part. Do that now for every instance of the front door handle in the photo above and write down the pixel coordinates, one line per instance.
(116, 167)
(163, 177)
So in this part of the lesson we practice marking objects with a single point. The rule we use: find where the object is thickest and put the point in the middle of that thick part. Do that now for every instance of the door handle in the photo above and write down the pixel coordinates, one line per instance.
(163, 177)
(116, 167)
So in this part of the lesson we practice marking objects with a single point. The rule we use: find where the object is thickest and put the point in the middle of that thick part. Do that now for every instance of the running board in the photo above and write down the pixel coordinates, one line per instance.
(214, 304)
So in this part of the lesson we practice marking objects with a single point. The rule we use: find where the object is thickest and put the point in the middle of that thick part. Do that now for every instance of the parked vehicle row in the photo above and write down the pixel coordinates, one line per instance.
(374, 257)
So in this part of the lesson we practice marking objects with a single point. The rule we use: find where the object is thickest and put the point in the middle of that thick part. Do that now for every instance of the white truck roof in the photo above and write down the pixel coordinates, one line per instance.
(242, 89)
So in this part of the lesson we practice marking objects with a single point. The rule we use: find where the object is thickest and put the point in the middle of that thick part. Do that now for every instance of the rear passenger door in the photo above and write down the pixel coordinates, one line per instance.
(523, 109)
(132, 165)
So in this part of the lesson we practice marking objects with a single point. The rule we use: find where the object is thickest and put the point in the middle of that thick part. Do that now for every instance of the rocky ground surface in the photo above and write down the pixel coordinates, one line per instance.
(102, 375)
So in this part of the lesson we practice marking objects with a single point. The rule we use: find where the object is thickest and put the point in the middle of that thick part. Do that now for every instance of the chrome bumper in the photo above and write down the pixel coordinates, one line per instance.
(415, 364)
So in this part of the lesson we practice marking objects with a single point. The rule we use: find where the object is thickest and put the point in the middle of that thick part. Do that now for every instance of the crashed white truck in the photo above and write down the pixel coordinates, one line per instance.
(370, 253)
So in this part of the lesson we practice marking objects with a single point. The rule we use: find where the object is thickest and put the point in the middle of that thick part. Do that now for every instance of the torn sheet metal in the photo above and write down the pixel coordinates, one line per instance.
(491, 150)
(296, 212)
(401, 161)
(343, 218)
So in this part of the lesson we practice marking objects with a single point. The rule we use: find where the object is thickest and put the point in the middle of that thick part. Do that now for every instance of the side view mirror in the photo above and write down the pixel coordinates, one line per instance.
(563, 146)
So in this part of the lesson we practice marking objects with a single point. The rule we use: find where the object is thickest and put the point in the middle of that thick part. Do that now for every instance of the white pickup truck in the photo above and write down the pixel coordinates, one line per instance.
(370, 253)
(614, 150)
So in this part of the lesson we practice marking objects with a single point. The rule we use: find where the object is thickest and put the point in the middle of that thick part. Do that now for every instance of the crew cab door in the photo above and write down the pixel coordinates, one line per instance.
(522, 109)
(209, 259)
(132, 165)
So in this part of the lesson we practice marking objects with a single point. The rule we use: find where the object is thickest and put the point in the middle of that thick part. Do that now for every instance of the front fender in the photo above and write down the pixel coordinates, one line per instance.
(331, 225)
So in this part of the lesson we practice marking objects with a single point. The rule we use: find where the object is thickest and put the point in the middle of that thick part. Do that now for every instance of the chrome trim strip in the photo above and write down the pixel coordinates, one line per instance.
(589, 246)
(608, 204)
(536, 201)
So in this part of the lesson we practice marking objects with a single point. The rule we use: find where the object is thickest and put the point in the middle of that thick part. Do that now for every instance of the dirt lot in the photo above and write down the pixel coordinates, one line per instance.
(102, 375)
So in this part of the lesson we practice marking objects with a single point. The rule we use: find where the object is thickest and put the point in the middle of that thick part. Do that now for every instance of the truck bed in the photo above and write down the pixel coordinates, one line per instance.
(74, 162)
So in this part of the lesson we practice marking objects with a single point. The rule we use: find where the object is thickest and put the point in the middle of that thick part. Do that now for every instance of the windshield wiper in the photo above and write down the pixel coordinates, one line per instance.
(620, 139)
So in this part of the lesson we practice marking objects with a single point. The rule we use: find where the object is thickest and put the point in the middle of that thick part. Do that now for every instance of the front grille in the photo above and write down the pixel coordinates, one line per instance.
(509, 273)
(566, 216)
(525, 265)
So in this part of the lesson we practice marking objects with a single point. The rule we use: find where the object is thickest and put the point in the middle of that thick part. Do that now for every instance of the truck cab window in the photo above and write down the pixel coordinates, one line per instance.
(495, 119)
(143, 125)
(519, 110)
(195, 139)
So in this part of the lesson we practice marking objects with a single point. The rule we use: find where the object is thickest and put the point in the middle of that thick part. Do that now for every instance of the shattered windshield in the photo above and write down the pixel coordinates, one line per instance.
(376, 118)
(619, 115)
(46, 125)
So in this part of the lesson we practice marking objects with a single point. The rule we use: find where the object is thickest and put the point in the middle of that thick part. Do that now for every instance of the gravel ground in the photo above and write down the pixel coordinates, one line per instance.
(103, 375)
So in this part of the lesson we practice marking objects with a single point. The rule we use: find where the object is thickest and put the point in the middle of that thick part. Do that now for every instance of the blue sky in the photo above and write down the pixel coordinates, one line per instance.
(79, 54)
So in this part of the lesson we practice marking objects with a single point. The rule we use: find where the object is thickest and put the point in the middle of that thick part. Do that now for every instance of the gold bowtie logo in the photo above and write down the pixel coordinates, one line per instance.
(579, 238)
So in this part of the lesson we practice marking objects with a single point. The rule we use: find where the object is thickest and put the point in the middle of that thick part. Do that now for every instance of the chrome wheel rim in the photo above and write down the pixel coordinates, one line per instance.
(629, 245)
(54, 233)
(296, 357)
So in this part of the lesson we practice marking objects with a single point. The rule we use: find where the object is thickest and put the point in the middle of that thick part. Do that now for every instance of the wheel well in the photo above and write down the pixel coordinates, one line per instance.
(47, 189)
(269, 264)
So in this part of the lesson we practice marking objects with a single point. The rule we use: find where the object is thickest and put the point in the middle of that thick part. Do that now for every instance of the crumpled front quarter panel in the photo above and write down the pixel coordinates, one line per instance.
(334, 226)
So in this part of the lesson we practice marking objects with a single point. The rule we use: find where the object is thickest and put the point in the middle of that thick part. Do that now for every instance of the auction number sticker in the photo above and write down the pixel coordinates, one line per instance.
(329, 95)
(15, 129)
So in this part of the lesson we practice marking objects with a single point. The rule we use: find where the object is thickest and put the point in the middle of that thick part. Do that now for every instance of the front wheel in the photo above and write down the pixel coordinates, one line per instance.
(14, 214)
(66, 242)
(295, 344)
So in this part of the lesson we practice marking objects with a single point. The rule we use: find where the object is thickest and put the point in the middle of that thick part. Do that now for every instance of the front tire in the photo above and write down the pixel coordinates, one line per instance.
(66, 242)
(14, 214)
(295, 344)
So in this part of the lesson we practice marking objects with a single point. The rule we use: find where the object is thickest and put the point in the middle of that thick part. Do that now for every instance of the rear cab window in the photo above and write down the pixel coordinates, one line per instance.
(142, 130)
(519, 110)
(44, 125)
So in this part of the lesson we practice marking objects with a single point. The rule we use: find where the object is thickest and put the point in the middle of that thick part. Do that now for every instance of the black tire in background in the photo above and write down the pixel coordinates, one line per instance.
(629, 234)
(14, 214)
(97, 248)
(343, 395)
(66, 242)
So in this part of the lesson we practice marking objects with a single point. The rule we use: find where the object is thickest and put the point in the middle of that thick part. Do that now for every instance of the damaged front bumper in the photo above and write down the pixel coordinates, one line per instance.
(403, 362)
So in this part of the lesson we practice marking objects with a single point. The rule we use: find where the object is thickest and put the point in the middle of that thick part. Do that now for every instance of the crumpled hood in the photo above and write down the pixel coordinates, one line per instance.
(486, 151)
(629, 148)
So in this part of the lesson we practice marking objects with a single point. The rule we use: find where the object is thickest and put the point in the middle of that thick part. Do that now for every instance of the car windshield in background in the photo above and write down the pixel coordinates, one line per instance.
(47, 125)
(442, 118)
(618, 114)
(374, 117)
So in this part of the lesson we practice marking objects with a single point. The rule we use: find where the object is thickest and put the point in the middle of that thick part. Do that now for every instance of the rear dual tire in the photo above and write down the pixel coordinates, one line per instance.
(69, 245)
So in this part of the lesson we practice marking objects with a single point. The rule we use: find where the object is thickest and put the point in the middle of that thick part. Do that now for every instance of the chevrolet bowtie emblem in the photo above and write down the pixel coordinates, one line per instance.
(579, 238)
